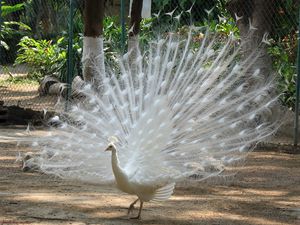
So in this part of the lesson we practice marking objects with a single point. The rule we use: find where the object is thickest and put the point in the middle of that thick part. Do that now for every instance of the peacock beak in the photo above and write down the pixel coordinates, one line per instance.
(108, 149)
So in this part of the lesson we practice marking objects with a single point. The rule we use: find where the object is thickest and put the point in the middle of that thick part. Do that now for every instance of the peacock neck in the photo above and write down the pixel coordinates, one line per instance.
(115, 162)
(121, 177)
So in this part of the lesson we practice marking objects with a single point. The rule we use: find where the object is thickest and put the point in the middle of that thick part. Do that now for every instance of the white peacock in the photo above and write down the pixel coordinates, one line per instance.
(175, 112)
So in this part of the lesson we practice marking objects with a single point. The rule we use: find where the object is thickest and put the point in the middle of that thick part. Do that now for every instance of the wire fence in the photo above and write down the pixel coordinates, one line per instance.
(35, 36)
(29, 50)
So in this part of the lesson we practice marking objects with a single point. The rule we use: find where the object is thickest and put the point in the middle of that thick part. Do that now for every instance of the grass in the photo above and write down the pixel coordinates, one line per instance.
(18, 80)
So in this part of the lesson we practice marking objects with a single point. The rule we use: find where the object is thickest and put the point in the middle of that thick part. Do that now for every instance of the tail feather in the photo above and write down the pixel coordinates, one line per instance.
(177, 111)
(164, 193)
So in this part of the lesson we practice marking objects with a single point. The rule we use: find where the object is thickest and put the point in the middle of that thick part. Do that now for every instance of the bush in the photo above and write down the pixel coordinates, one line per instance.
(284, 49)
(44, 57)
(284, 63)
(11, 32)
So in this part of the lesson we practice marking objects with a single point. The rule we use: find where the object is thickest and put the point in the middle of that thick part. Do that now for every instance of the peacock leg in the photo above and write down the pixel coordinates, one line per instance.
(131, 206)
(140, 211)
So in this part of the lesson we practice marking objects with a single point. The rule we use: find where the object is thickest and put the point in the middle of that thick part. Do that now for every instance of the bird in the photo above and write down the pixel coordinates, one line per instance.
(176, 111)
(127, 183)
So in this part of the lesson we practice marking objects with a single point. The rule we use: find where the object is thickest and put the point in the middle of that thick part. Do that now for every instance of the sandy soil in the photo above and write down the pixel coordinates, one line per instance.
(24, 95)
(266, 191)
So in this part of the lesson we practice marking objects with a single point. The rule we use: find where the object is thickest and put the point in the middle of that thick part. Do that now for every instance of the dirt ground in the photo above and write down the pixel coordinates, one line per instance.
(24, 94)
(265, 191)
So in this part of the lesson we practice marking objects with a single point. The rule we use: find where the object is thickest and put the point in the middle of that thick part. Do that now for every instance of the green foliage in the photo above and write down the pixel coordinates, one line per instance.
(76, 55)
(112, 34)
(43, 56)
(18, 80)
(286, 19)
(10, 29)
(224, 26)
(47, 57)
(46, 18)
(146, 33)
(198, 11)
(49, 19)
(286, 69)
(284, 49)
(7, 9)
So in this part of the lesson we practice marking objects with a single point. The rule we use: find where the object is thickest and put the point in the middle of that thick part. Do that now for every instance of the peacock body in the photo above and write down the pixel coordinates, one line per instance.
(173, 113)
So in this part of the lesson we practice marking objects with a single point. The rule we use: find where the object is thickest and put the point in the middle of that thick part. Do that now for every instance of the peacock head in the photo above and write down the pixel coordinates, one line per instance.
(111, 146)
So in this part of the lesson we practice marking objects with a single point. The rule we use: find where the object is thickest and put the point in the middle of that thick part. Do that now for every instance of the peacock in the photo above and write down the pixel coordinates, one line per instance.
(177, 111)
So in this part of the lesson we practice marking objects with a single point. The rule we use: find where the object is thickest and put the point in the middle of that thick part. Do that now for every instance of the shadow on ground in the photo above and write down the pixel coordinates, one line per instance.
(265, 191)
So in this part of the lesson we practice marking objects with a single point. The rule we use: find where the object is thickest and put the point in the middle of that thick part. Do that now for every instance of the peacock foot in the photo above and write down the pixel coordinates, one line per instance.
(130, 209)
(136, 217)
(131, 206)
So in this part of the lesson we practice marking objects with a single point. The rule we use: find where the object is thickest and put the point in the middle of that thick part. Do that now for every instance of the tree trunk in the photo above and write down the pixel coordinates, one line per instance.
(256, 22)
(93, 55)
(133, 35)
(93, 18)
(136, 17)
(42, 18)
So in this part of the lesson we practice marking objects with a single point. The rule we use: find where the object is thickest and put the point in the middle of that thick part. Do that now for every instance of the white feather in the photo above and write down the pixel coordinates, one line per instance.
(180, 112)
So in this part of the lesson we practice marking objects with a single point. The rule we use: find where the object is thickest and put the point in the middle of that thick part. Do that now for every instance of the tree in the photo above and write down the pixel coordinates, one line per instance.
(93, 57)
(136, 17)
(254, 23)
(133, 34)
(256, 19)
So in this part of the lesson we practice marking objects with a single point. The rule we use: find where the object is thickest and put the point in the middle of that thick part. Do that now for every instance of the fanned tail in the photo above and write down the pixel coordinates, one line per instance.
(177, 111)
